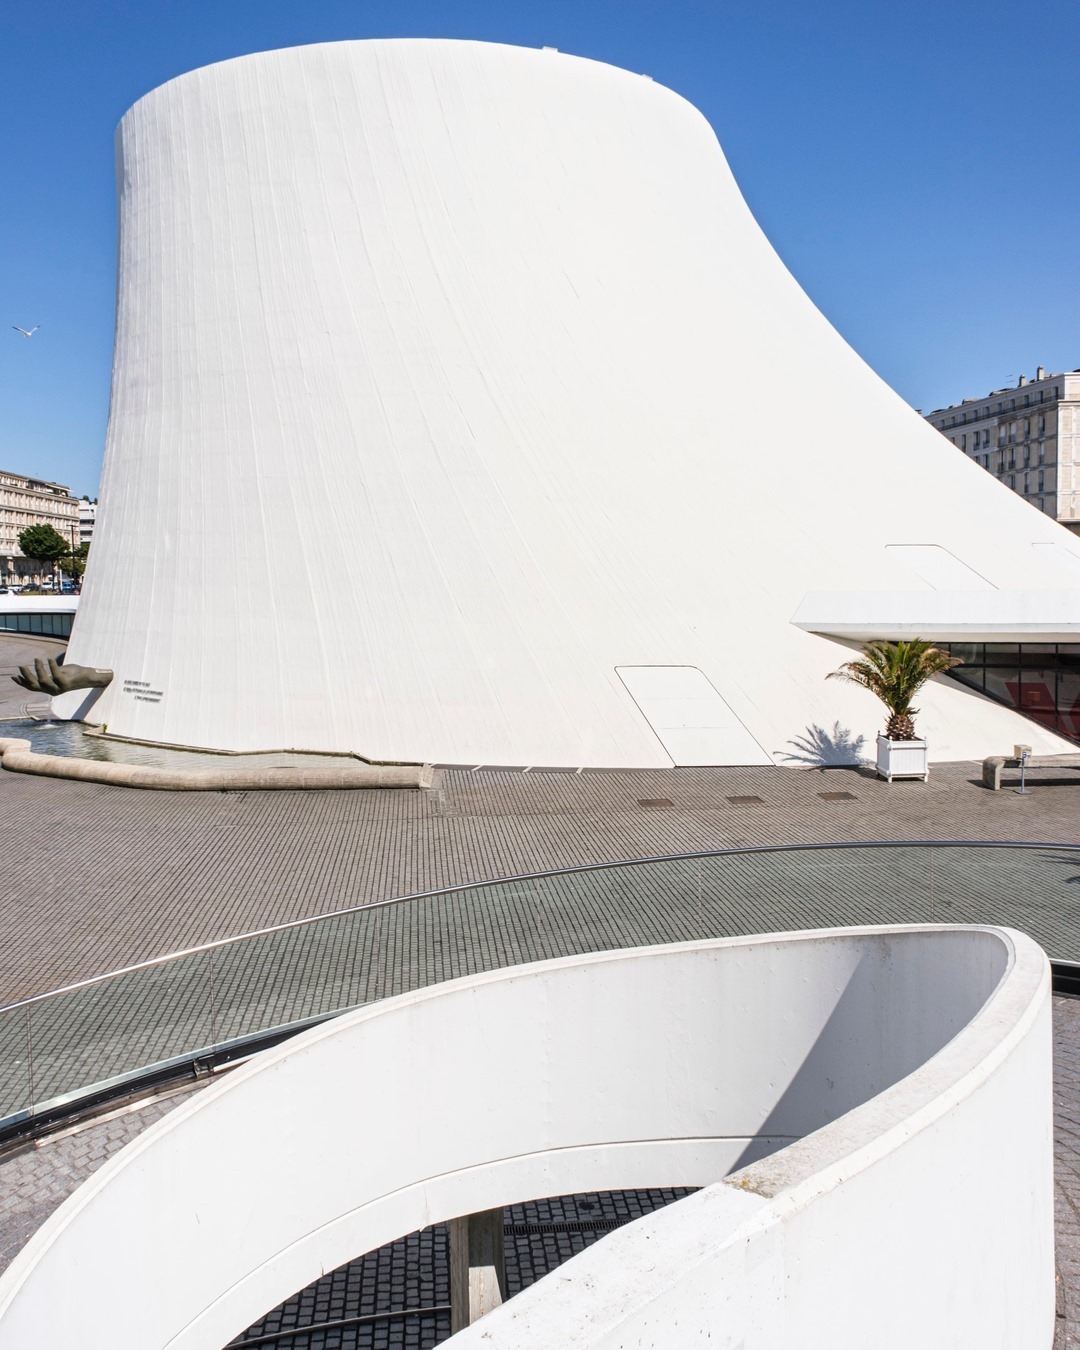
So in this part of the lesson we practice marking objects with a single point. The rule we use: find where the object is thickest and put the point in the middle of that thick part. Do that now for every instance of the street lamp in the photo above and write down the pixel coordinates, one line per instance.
(71, 526)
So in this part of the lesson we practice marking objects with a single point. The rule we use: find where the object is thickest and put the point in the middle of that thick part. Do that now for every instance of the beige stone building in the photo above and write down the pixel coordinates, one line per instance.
(1028, 437)
(31, 501)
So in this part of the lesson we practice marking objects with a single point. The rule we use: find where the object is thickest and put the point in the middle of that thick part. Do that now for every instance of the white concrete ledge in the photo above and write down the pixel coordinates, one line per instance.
(879, 1097)
(38, 604)
(957, 616)
(17, 757)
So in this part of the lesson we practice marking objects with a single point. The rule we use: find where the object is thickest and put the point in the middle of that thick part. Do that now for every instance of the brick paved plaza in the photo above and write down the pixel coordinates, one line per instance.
(96, 877)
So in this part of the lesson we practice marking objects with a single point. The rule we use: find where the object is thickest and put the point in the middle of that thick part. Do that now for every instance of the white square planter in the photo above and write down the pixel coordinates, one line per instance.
(901, 759)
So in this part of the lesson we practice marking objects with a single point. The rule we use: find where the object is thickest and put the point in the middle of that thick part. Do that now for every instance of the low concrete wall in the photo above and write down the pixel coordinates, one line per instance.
(899, 1079)
(17, 757)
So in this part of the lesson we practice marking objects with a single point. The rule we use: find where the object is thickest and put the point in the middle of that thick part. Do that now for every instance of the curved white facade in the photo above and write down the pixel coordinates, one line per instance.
(454, 384)
(892, 1084)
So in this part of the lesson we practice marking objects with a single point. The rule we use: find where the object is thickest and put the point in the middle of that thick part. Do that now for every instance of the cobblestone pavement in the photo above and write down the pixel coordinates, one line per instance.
(67, 1043)
(94, 877)
(35, 1181)
(414, 1273)
(1067, 1168)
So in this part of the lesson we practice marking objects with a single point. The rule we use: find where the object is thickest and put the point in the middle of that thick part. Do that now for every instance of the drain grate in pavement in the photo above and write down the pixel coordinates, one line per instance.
(838, 796)
(565, 1226)
(654, 802)
(747, 801)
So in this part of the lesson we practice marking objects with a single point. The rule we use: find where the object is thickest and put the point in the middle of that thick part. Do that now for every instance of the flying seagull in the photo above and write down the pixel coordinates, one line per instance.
(25, 332)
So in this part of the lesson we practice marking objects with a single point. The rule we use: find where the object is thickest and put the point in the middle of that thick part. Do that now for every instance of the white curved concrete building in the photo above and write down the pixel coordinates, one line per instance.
(869, 1111)
(462, 413)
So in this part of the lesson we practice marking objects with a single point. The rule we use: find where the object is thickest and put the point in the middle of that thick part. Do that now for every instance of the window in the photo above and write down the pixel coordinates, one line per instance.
(1012, 481)
(1040, 679)
(963, 442)
(1042, 425)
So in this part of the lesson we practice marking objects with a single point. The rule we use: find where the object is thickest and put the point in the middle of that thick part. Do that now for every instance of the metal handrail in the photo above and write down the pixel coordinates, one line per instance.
(529, 876)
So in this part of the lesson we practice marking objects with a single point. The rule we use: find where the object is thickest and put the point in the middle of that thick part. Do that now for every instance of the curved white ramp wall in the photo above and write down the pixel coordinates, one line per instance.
(451, 379)
(903, 1075)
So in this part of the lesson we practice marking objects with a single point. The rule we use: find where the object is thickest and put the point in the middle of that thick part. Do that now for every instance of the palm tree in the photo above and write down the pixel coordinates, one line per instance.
(895, 672)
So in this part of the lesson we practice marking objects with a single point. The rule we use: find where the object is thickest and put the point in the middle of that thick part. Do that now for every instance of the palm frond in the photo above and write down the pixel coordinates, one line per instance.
(895, 671)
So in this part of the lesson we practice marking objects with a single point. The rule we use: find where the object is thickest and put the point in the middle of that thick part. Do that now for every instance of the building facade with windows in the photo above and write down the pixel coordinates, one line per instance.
(26, 501)
(1028, 437)
(87, 516)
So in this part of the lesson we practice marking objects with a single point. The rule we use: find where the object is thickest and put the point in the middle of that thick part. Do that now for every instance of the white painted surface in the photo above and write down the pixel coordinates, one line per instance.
(39, 604)
(901, 759)
(911, 1067)
(944, 616)
(499, 321)
(1059, 561)
(939, 568)
(691, 721)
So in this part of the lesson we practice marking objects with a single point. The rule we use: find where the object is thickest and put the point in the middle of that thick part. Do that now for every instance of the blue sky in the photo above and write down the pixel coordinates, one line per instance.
(912, 164)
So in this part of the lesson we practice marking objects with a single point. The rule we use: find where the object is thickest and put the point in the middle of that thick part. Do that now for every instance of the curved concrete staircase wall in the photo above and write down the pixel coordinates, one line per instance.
(879, 1097)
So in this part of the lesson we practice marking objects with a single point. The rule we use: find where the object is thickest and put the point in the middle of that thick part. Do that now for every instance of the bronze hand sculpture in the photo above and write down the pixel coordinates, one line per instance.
(53, 677)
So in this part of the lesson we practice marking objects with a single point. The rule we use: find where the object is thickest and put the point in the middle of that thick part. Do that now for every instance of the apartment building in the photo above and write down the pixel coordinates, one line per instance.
(31, 501)
(87, 517)
(1028, 437)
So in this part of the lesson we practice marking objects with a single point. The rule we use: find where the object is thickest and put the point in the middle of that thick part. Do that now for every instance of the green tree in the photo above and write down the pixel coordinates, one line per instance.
(43, 544)
(895, 672)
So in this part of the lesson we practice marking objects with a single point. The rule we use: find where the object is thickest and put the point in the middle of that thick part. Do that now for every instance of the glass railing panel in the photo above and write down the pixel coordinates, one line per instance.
(443, 937)
(618, 907)
(1036, 890)
(535, 919)
(15, 1091)
(275, 979)
(827, 888)
(687, 899)
(133, 1021)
